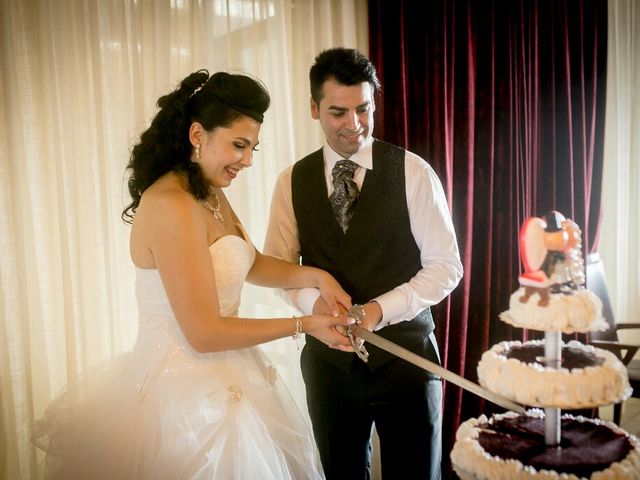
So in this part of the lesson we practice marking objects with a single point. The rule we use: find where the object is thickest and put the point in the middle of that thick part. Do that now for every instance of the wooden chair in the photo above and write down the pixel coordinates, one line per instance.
(608, 340)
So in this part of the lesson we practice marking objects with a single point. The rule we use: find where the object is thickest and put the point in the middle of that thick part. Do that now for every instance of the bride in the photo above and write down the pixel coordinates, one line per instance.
(195, 398)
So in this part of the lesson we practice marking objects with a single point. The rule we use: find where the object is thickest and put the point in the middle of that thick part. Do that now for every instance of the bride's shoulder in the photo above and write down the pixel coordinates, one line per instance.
(168, 206)
(167, 220)
(168, 196)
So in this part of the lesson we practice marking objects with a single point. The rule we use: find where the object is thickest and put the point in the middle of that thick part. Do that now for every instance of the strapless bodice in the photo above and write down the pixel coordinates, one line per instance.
(159, 336)
(232, 258)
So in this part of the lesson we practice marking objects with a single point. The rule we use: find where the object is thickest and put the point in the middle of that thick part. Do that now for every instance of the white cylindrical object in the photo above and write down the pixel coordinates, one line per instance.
(553, 359)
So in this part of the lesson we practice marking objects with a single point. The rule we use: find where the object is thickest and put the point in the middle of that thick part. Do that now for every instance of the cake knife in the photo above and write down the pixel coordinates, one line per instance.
(429, 366)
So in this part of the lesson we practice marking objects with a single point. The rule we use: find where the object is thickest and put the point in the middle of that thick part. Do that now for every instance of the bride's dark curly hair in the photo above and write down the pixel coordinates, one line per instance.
(215, 101)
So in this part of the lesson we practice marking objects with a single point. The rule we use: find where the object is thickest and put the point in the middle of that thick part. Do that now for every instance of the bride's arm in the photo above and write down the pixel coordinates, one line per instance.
(177, 239)
(271, 272)
(268, 271)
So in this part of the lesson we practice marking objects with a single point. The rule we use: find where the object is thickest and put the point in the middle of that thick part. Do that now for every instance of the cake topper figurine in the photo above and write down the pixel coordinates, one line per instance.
(550, 250)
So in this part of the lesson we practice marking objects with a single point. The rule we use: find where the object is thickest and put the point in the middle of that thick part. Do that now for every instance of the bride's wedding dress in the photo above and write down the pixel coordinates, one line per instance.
(165, 411)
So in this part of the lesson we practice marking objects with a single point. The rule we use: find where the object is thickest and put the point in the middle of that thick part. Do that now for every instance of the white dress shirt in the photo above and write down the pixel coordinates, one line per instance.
(431, 227)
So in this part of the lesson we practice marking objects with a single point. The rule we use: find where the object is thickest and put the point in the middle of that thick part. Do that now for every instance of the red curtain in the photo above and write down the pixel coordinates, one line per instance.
(505, 99)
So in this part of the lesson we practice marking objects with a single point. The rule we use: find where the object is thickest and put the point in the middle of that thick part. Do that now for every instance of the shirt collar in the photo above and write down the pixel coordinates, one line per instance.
(363, 157)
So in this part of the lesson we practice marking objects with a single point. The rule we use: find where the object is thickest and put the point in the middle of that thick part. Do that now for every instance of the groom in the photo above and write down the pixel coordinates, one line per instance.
(375, 216)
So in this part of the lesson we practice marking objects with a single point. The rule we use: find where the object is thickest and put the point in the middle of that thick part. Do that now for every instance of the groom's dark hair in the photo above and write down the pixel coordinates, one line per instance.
(346, 65)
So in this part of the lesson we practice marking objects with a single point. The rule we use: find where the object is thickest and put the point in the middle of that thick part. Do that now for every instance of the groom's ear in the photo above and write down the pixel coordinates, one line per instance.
(315, 109)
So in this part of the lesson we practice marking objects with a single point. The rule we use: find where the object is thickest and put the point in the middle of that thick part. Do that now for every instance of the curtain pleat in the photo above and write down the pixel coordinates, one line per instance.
(78, 84)
(620, 232)
(505, 99)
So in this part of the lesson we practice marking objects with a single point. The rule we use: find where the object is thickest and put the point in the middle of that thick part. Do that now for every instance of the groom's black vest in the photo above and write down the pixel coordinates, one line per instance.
(377, 253)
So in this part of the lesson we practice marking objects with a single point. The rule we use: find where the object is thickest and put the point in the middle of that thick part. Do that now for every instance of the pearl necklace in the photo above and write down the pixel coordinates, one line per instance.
(215, 209)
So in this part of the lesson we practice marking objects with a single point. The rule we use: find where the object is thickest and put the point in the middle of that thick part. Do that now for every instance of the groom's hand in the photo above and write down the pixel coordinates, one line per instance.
(335, 336)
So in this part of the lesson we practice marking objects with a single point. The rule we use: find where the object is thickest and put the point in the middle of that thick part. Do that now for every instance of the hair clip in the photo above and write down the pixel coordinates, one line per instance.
(197, 90)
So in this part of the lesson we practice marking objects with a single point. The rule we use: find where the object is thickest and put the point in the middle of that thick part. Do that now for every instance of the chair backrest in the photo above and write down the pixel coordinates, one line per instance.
(597, 283)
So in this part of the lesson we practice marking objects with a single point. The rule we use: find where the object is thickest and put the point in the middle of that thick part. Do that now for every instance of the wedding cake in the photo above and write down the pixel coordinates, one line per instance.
(551, 375)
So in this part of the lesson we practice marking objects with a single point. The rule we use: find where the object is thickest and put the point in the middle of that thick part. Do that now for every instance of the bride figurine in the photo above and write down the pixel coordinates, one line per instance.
(196, 397)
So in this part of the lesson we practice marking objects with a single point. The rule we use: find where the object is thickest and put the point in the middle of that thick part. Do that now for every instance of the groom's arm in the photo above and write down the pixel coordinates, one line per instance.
(282, 242)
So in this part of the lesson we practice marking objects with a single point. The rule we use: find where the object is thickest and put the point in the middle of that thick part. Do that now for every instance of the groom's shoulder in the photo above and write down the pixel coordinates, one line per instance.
(311, 157)
(311, 161)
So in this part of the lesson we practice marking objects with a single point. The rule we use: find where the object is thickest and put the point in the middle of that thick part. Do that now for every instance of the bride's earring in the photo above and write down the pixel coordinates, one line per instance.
(198, 152)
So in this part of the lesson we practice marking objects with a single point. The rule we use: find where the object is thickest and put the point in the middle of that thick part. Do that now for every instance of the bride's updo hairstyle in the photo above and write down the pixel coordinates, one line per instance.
(214, 101)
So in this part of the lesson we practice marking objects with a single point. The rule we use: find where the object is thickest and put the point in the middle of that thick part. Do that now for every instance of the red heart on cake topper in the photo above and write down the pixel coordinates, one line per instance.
(532, 253)
(532, 247)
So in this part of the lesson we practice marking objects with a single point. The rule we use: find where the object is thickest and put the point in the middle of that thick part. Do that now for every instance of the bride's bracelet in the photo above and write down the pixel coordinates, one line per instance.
(298, 332)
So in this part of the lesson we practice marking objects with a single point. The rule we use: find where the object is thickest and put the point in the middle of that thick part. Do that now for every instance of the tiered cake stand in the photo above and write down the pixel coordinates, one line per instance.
(534, 373)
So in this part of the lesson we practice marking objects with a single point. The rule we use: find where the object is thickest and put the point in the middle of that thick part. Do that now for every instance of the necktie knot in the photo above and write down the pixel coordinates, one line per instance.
(343, 170)
(345, 192)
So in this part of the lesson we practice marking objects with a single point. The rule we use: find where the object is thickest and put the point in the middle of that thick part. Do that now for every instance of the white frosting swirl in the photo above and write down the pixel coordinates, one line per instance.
(537, 385)
(579, 312)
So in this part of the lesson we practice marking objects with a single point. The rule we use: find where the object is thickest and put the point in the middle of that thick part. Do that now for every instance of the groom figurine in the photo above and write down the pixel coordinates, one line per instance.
(375, 216)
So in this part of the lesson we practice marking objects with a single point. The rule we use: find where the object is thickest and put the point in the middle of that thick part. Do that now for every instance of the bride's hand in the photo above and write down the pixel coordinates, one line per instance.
(333, 294)
(328, 330)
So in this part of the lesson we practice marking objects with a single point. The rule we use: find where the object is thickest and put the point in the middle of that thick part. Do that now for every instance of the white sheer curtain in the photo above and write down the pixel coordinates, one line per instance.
(620, 238)
(78, 83)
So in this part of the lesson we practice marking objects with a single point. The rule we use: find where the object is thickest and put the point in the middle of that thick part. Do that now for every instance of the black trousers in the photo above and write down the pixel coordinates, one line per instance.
(400, 399)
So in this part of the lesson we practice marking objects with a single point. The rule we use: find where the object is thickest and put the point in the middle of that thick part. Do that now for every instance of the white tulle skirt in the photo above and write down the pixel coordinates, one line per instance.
(222, 415)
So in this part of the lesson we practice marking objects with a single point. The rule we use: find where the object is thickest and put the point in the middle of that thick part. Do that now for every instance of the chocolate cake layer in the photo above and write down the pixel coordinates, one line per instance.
(585, 447)
(571, 357)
